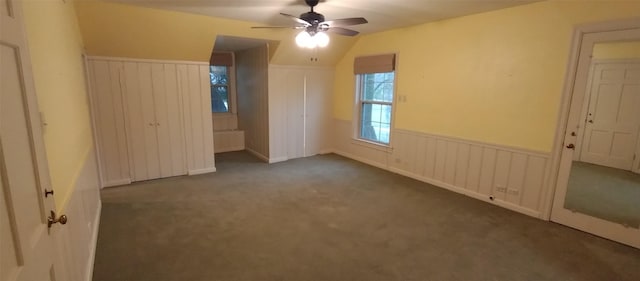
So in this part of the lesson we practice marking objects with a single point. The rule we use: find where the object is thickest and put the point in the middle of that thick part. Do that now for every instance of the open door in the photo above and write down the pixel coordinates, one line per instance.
(26, 248)
(599, 198)
(613, 119)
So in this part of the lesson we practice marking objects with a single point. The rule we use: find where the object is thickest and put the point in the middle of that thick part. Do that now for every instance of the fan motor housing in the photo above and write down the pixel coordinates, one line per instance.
(312, 17)
(312, 3)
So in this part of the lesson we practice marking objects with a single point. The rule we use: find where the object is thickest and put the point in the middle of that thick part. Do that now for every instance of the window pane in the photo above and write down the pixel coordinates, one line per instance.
(219, 99)
(378, 87)
(376, 122)
(219, 88)
(218, 75)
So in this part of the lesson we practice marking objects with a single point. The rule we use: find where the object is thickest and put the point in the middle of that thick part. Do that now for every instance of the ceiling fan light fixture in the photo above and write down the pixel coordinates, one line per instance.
(322, 39)
(303, 39)
(306, 40)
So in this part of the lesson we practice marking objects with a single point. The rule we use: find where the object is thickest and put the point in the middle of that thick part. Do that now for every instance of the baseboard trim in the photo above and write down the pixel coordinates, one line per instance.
(256, 154)
(229, 149)
(326, 151)
(94, 243)
(360, 159)
(466, 192)
(277, 159)
(201, 171)
(116, 183)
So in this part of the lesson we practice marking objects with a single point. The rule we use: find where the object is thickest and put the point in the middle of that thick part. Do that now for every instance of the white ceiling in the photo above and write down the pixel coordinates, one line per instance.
(381, 14)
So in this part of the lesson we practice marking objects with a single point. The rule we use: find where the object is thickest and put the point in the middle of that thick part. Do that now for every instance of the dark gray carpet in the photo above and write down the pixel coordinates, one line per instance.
(330, 218)
(607, 193)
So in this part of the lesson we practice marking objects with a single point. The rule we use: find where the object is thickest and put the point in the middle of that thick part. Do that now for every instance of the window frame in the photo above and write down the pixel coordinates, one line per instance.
(358, 105)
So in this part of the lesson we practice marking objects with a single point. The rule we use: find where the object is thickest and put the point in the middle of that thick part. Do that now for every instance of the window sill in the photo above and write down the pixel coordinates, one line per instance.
(372, 145)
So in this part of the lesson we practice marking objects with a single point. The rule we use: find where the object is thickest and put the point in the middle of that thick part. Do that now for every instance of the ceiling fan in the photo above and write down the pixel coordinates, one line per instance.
(314, 25)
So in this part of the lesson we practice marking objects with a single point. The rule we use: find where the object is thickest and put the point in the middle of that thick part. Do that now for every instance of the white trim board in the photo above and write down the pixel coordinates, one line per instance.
(255, 153)
(116, 183)
(88, 276)
(201, 171)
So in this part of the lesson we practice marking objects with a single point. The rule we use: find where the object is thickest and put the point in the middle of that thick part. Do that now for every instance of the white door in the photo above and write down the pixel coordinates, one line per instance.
(141, 121)
(567, 137)
(295, 113)
(26, 251)
(317, 109)
(168, 116)
(613, 119)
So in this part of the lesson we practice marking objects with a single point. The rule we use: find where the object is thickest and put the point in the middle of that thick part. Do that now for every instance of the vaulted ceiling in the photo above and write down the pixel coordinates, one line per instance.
(381, 14)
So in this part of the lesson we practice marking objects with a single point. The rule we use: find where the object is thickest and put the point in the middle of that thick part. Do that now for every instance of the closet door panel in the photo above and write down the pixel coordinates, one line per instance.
(141, 121)
(135, 122)
(183, 92)
(195, 113)
(116, 77)
(174, 128)
(163, 131)
(317, 109)
(148, 113)
(205, 115)
(107, 102)
(295, 88)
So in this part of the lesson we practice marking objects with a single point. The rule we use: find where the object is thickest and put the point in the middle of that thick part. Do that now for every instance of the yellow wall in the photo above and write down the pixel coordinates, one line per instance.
(56, 47)
(111, 29)
(618, 50)
(495, 77)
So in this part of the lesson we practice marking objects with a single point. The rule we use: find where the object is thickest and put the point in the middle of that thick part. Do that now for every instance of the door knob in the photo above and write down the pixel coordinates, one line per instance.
(52, 219)
(571, 146)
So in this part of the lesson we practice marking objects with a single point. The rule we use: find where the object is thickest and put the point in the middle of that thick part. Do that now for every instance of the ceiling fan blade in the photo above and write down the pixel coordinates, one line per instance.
(296, 19)
(294, 27)
(345, 22)
(343, 31)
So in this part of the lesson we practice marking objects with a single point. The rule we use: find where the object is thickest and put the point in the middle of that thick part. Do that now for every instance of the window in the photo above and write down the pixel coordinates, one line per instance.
(222, 76)
(219, 88)
(375, 103)
(375, 79)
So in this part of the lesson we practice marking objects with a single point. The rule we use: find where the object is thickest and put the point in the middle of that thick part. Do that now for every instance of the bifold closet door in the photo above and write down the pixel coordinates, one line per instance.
(295, 89)
(155, 121)
(106, 81)
(168, 115)
(140, 113)
(319, 83)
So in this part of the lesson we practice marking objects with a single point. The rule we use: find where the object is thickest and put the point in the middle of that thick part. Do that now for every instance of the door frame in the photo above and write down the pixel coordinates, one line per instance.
(575, 87)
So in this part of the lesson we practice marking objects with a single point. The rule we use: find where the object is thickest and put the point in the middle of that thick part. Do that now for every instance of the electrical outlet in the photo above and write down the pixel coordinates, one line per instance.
(501, 189)
(513, 191)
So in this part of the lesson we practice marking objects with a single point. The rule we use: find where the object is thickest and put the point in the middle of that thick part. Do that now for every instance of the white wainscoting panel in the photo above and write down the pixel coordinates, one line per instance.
(225, 122)
(509, 177)
(76, 241)
(225, 141)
